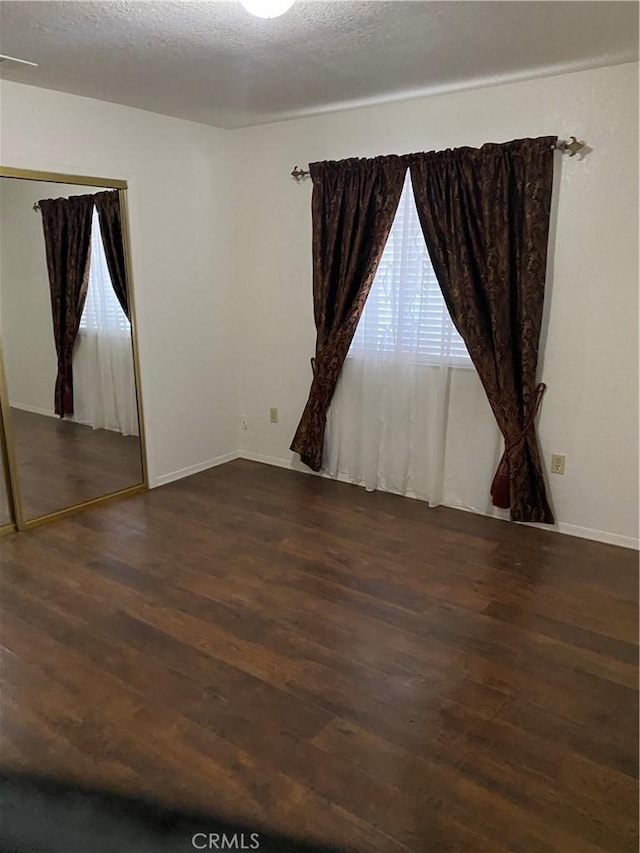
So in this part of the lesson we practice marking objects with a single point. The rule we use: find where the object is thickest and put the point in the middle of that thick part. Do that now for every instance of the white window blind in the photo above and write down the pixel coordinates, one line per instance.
(405, 312)
(102, 311)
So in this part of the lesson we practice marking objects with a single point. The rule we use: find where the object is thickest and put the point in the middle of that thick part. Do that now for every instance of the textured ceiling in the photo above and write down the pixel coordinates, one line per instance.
(212, 62)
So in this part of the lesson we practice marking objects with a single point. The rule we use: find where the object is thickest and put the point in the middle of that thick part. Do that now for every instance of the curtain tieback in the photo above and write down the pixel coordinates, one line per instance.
(313, 366)
(526, 429)
(500, 487)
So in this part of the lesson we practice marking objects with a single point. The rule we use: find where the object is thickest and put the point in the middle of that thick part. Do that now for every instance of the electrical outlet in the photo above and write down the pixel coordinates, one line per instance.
(558, 462)
(273, 415)
(244, 423)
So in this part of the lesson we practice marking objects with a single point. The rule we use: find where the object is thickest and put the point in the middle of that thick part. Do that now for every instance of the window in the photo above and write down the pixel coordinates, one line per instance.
(405, 312)
(102, 311)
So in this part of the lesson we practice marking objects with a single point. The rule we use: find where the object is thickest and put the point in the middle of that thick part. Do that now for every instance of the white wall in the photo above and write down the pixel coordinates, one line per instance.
(177, 173)
(29, 350)
(590, 359)
(221, 240)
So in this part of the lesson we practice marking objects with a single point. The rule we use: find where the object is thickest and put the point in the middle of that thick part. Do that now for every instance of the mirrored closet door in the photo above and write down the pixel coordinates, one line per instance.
(72, 410)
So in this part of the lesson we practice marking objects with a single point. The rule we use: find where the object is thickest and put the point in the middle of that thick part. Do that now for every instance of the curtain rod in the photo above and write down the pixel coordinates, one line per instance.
(561, 145)
(36, 206)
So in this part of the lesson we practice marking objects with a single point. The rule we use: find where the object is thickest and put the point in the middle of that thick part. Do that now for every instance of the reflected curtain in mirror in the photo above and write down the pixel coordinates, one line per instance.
(109, 214)
(66, 224)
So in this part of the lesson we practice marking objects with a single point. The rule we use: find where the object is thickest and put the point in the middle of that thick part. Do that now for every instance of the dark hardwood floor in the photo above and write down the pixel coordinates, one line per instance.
(346, 666)
(61, 463)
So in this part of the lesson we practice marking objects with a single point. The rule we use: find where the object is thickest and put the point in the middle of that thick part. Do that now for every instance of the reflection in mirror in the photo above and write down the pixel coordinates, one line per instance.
(64, 318)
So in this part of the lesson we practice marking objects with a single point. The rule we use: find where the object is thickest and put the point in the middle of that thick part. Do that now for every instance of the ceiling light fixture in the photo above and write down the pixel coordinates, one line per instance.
(267, 8)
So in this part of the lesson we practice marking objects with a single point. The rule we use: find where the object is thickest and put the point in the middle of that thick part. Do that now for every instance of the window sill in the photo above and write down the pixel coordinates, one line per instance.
(87, 333)
(454, 365)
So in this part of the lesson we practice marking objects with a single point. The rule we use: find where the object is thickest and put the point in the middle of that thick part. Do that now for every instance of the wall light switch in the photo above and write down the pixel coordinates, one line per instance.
(273, 415)
(558, 462)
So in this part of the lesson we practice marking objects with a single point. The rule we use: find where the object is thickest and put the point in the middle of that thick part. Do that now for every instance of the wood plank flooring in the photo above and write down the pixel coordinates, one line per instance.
(61, 463)
(350, 667)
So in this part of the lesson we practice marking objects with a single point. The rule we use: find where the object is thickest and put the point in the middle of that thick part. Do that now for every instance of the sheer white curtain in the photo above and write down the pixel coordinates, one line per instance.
(103, 374)
(409, 414)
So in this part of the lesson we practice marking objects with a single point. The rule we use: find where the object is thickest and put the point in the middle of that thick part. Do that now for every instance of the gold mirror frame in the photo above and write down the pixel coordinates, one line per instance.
(8, 469)
(5, 434)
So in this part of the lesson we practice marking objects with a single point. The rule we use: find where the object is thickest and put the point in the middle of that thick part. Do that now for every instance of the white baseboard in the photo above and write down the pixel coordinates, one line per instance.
(276, 461)
(560, 527)
(292, 464)
(23, 407)
(599, 535)
(163, 479)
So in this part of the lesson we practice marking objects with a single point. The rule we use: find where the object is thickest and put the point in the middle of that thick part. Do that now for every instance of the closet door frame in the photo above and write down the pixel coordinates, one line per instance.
(6, 442)
(6, 448)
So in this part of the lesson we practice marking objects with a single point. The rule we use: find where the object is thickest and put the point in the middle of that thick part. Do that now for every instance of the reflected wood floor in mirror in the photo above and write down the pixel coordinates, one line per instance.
(5, 508)
(61, 463)
(298, 653)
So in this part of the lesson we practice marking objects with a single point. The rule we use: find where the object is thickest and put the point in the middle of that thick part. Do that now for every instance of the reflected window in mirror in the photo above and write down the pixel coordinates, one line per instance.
(102, 309)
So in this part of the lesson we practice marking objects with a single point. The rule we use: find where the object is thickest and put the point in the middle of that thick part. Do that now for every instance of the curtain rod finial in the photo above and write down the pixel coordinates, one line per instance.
(299, 175)
(572, 147)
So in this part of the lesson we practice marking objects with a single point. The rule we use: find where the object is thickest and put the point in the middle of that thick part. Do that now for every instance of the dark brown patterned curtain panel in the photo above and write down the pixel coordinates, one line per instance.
(109, 216)
(353, 205)
(66, 223)
(485, 217)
